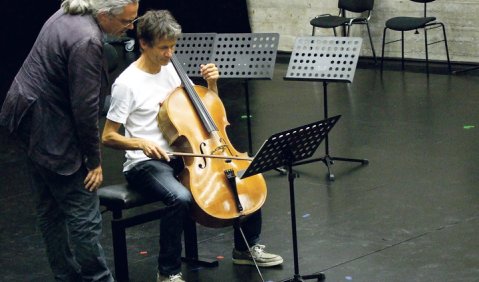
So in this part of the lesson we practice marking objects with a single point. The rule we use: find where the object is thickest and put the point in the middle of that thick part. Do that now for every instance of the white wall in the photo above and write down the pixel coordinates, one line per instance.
(290, 18)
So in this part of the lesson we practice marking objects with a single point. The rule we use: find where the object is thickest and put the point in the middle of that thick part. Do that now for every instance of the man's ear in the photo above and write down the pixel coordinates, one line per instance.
(143, 44)
(102, 18)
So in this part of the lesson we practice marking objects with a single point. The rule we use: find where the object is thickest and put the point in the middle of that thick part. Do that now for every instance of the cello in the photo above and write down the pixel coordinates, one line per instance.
(193, 121)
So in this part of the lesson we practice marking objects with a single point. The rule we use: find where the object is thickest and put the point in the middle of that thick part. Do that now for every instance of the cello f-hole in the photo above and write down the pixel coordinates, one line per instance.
(203, 165)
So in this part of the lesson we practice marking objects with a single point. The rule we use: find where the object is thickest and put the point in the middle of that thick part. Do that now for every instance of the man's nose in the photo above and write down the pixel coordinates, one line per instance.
(170, 51)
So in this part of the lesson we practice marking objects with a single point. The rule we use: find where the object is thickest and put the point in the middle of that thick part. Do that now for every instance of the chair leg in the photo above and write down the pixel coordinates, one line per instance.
(402, 50)
(191, 246)
(384, 44)
(427, 51)
(190, 239)
(371, 42)
(447, 49)
(120, 255)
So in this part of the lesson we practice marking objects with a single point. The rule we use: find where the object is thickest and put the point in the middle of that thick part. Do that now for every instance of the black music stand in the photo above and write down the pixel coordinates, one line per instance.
(325, 59)
(286, 149)
(247, 56)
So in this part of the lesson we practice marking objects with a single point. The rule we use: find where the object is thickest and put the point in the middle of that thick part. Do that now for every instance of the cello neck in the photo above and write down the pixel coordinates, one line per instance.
(200, 108)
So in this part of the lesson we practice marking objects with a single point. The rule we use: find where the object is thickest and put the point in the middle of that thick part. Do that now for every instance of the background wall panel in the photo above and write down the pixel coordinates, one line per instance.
(291, 19)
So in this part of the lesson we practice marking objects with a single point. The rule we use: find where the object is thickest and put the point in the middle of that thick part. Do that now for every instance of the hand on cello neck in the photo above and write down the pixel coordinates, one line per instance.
(211, 74)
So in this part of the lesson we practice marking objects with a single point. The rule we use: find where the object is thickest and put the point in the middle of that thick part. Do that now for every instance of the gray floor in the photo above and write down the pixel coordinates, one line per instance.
(412, 214)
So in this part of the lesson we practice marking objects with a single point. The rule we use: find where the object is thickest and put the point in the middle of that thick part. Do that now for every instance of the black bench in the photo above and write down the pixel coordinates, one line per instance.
(119, 197)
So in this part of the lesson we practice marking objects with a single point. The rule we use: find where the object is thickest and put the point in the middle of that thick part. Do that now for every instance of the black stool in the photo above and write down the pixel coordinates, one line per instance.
(119, 197)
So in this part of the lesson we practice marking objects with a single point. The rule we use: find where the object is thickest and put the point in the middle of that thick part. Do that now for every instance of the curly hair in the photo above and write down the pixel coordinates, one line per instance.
(81, 7)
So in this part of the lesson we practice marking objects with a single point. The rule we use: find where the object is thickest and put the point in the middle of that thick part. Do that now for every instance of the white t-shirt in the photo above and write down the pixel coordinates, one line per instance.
(135, 102)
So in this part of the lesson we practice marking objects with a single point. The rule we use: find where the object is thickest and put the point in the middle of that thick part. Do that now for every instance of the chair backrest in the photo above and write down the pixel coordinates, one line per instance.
(357, 6)
(425, 4)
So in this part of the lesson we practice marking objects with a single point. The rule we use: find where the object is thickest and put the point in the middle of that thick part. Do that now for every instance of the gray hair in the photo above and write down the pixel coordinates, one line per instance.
(157, 25)
(115, 7)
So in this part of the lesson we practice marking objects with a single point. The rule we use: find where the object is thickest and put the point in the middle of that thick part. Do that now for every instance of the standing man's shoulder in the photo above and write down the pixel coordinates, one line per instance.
(73, 29)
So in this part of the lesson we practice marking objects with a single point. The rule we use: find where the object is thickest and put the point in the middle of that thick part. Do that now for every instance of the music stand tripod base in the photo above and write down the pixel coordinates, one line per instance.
(325, 59)
(318, 276)
(329, 161)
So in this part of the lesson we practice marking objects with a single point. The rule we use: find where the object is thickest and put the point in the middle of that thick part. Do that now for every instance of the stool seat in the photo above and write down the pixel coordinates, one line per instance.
(121, 196)
(329, 21)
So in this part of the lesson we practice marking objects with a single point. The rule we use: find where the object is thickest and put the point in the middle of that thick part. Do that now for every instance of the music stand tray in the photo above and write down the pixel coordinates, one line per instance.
(246, 55)
(325, 59)
(286, 149)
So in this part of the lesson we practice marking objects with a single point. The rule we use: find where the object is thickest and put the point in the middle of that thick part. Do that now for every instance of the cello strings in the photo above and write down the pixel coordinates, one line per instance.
(199, 106)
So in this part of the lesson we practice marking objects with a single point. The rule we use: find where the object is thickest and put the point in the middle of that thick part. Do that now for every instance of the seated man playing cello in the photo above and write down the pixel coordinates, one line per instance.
(137, 96)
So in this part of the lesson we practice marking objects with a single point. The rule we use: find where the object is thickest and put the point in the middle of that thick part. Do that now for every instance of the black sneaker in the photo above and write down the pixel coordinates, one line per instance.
(261, 257)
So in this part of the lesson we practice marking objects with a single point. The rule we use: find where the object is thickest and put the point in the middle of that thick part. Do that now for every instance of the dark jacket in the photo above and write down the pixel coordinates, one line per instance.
(57, 93)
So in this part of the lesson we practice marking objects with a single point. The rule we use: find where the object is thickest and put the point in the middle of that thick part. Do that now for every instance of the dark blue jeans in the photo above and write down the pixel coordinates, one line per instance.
(157, 178)
(70, 220)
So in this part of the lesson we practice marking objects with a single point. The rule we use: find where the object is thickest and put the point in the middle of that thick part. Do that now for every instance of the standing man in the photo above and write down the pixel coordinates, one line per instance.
(52, 107)
(136, 98)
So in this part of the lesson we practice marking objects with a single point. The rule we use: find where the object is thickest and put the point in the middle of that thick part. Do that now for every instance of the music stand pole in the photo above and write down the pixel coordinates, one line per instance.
(328, 160)
(325, 110)
(291, 177)
(297, 276)
(248, 118)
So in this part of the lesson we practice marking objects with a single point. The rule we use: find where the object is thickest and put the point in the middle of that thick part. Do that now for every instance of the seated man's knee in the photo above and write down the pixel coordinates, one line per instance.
(180, 197)
(184, 198)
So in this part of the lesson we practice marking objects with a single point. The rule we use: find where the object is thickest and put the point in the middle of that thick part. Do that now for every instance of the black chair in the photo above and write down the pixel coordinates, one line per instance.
(358, 7)
(403, 24)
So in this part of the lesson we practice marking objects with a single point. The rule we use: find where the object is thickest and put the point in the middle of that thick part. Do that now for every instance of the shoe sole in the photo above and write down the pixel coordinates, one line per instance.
(261, 264)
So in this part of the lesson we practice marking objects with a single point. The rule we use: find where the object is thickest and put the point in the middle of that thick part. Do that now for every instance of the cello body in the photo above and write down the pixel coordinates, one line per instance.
(215, 204)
